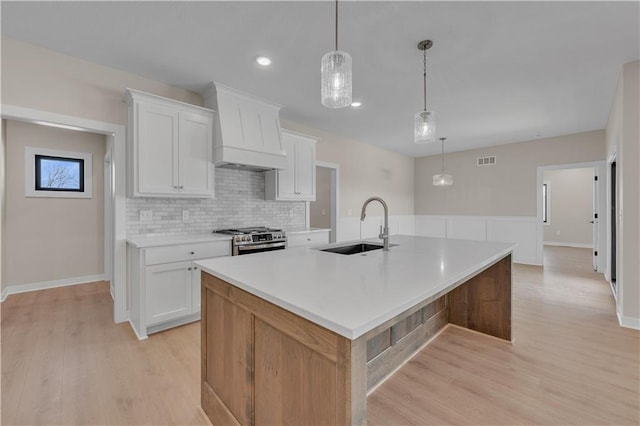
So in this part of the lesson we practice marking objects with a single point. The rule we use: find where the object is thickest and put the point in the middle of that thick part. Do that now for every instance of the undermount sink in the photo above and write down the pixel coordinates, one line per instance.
(354, 248)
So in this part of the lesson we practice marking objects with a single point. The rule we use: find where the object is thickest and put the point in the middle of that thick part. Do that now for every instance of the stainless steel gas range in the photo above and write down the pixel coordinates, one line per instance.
(255, 239)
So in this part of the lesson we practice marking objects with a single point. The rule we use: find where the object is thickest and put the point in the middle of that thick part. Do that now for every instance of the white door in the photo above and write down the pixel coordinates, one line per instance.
(306, 170)
(195, 155)
(168, 292)
(287, 177)
(599, 219)
(157, 149)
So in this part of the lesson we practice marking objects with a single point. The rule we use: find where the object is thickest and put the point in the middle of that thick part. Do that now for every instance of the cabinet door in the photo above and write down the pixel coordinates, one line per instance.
(287, 177)
(195, 154)
(157, 147)
(196, 280)
(169, 292)
(306, 170)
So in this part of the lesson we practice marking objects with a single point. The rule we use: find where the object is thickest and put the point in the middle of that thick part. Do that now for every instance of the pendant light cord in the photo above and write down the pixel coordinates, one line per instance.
(336, 25)
(425, 78)
(442, 156)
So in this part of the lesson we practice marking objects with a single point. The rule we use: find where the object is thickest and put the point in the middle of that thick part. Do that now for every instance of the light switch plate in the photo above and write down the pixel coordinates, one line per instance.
(185, 214)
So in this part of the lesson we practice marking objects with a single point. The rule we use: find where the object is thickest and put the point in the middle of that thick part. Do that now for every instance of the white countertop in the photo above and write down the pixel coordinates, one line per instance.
(159, 240)
(352, 294)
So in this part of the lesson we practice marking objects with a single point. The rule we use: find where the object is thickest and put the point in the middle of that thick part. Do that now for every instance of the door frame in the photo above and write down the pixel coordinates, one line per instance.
(335, 197)
(603, 214)
(115, 138)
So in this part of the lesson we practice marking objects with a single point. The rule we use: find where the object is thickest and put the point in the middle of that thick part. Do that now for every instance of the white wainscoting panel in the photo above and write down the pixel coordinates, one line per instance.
(508, 229)
(467, 228)
(520, 230)
(431, 226)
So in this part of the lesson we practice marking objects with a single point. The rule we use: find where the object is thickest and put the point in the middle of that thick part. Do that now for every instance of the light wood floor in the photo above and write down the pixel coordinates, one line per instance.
(65, 362)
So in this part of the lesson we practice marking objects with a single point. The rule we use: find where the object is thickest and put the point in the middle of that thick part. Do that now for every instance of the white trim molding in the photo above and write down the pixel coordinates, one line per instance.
(4, 294)
(65, 282)
(562, 244)
(628, 322)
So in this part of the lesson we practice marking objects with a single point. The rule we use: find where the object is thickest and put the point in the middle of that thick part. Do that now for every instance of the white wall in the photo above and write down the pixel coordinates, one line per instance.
(52, 239)
(506, 189)
(3, 212)
(570, 207)
(623, 141)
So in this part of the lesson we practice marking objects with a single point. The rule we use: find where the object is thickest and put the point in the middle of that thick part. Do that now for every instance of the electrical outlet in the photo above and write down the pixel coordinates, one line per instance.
(146, 215)
(558, 232)
(349, 212)
(324, 212)
(290, 212)
(185, 214)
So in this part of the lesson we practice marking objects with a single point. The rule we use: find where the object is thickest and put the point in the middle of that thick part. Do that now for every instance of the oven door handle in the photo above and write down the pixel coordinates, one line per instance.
(261, 246)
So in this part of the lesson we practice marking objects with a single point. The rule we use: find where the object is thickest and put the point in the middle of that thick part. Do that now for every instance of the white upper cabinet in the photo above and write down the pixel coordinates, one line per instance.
(297, 182)
(247, 131)
(170, 147)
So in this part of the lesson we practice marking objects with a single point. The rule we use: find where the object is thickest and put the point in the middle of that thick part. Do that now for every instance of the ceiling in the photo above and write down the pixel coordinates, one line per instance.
(499, 72)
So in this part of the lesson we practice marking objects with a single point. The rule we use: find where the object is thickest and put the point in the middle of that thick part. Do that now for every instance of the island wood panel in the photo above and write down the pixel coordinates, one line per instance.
(296, 372)
(297, 385)
(227, 340)
(483, 303)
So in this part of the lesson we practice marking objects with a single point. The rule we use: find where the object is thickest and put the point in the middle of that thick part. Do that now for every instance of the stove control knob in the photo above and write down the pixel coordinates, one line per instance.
(247, 238)
(236, 239)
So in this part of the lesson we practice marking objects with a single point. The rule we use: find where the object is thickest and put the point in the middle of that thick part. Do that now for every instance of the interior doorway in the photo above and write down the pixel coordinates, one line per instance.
(323, 213)
(613, 223)
(115, 139)
(572, 209)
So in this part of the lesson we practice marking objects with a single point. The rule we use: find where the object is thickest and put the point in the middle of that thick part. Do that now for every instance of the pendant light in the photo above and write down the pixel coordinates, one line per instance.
(336, 87)
(442, 179)
(425, 121)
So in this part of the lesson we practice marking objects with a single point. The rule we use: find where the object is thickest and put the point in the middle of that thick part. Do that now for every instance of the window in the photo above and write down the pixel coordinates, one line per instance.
(545, 203)
(61, 174)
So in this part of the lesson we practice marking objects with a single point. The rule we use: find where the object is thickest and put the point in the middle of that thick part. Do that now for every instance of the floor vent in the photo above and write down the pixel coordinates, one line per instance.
(487, 161)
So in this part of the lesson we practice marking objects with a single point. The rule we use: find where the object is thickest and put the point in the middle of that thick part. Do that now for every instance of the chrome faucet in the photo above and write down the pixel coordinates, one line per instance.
(384, 232)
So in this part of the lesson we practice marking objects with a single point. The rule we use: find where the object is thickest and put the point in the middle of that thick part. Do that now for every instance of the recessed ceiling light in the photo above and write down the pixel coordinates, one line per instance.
(356, 104)
(263, 60)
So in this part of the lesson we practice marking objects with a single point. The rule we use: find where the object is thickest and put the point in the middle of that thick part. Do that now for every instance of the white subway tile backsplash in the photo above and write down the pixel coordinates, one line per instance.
(239, 202)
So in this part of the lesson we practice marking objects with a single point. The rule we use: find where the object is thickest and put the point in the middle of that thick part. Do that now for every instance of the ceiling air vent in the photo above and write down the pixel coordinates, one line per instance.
(487, 161)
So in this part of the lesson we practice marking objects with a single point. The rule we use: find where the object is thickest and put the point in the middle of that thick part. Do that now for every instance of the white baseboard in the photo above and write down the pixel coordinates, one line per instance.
(628, 322)
(4, 294)
(576, 245)
(23, 288)
(140, 337)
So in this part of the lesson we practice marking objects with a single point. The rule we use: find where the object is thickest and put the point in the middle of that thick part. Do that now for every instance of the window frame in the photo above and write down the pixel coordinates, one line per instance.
(32, 166)
(546, 203)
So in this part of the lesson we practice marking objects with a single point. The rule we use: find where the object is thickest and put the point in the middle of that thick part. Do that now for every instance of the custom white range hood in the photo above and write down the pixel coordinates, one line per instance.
(247, 133)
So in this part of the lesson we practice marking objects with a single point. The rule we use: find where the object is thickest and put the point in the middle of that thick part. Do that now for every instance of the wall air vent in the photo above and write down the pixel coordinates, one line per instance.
(487, 161)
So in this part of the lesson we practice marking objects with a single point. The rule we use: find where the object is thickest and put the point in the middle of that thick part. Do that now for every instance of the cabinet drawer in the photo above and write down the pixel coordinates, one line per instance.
(182, 252)
(307, 239)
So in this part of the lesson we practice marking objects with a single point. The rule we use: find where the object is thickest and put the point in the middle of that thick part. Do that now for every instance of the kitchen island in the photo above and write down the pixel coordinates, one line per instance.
(300, 336)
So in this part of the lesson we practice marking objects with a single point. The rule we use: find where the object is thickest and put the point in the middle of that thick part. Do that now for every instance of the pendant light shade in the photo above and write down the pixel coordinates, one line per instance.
(424, 128)
(442, 179)
(335, 87)
(336, 79)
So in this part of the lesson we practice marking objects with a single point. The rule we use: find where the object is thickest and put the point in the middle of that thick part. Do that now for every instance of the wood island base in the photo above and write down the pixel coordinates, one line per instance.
(262, 364)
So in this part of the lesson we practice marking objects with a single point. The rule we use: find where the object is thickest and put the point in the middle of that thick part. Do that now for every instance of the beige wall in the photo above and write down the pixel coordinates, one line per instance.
(571, 206)
(320, 210)
(623, 138)
(506, 189)
(42, 79)
(365, 170)
(52, 238)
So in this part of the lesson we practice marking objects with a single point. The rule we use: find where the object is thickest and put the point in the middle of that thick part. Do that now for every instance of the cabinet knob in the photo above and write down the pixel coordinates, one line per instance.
(308, 239)
(192, 252)
(181, 187)
(189, 268)
(195, 267)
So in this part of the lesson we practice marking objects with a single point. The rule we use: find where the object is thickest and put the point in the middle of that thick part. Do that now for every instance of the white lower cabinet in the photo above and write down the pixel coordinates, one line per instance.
(164, 284)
